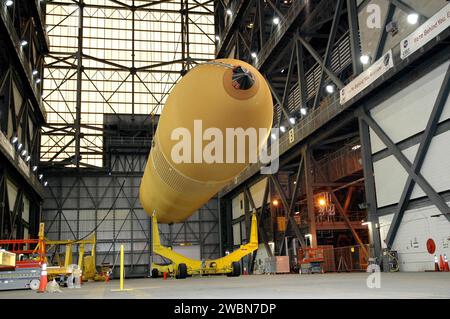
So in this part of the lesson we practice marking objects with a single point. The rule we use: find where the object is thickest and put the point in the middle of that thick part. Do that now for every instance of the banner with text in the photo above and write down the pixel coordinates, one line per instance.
(426, 32)
(366, 78)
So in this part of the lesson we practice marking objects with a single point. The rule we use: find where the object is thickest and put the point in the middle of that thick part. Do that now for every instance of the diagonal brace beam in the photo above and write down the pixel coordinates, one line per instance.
(427, 136)
(435, 198)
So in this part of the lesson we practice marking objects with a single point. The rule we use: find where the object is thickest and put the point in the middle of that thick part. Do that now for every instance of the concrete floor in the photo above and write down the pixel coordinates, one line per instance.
(342, 286)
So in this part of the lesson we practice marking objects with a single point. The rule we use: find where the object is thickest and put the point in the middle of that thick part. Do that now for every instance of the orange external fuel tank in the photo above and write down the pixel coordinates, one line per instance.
(221, 94)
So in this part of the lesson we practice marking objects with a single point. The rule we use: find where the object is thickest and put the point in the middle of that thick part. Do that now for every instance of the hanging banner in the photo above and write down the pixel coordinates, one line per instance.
(366, 78)
(426, 32)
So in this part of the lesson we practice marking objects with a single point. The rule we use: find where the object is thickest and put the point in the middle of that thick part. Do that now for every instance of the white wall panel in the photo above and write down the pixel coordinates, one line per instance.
(237, 205)
(416, 228)
(407, 112)
(26, 210)
(237, 234)
(390, 176)
(243, 231)
(257, 192)
(12, 193)
(436, 167)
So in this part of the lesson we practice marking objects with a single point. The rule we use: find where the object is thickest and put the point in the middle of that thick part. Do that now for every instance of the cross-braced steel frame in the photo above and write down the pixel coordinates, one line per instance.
(117, 57)
(308, 50)
(23, 44)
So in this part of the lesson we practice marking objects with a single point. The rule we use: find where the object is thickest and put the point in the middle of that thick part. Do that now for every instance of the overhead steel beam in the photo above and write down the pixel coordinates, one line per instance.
(279, 101)
(301, 78)
(383, 36)
(407, 8)
(355, 42)
(329, 48)
(319, 60)
(274, 7)
(287, 86)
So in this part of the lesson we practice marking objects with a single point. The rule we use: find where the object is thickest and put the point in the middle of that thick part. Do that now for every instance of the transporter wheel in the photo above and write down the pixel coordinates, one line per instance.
(181, 272)
(235, 269)
(155, 273)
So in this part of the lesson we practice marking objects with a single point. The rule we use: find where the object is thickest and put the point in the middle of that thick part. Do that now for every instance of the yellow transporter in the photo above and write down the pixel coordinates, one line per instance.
(182, 266)
(213, 97)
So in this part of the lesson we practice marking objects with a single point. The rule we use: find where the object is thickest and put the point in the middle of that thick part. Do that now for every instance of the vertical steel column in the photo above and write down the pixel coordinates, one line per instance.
(355, 44)
(310, 195)
(219, 211)
(261, 24)
(133, 56)
(384, 34)
(329, 49)
(79, 84)
(369, 182)
(300, 71)
(3, 200)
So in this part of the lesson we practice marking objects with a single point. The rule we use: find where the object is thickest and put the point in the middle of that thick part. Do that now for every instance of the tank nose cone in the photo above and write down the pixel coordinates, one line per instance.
(242, 78)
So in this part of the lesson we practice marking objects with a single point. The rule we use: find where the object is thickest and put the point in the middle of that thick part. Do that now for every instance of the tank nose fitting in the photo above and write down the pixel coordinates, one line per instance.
(242, 78)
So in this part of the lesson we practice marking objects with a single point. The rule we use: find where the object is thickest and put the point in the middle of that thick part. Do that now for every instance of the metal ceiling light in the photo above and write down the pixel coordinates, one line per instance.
(23, 43)
(14, 140)
(282, 129)
(35, 72)
(365, 59)
(330, 88)
(229, 12)
(303, 111)
(24, 153)
(28, 158)
(413, 18)
(38, 80)
(34, 168)
(9, 3)
(254, 55)
(292, 120)
(19, 147)
(40, 176)
(276, 20)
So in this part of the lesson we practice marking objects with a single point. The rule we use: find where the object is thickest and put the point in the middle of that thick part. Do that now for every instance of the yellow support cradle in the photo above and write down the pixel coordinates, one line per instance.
(223, 265)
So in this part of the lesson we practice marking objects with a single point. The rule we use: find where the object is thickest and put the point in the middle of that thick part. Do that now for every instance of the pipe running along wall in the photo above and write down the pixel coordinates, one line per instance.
(220, 94)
